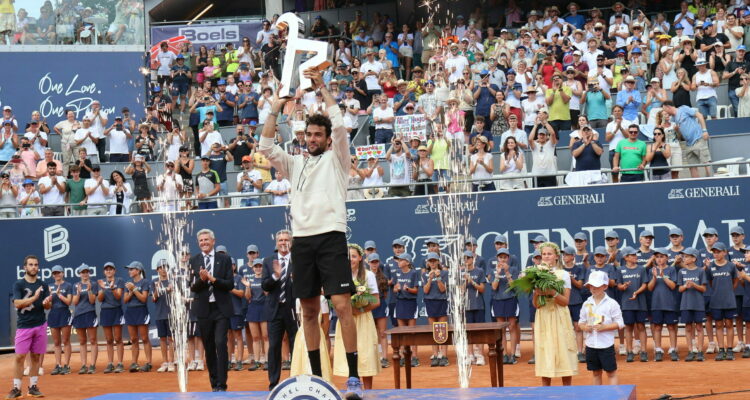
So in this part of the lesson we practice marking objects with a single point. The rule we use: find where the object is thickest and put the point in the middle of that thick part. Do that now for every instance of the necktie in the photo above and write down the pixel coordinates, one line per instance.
(282, 294)
(210, 269)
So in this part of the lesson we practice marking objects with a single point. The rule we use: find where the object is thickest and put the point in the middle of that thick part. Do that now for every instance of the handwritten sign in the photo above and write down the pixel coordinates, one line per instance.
(410, 126)
(373, 150)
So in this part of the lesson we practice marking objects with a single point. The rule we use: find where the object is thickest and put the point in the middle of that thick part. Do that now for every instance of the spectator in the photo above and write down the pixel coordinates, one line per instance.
(733, 73)
(247, 105)
(169, 187)
(455, 64)
(119, 136)
(479, 130)
(181, 77)
(52, 188)
(692, 126)
(138, 171)
(406, 48)
(145, 143)
(280, 189)
(383, 117)
(500, 114)
(429, 105)
(28, 197)
(249, 181)
(86, 138)
(404, 96)
(41, 167)
(261, 163)
(576, 89)
(207, 185)
(242, 145)
(587, 151)
(542, 142)
(76, 192)
(630, 155)
(655, 97)
(463, 93)
(454, 121)
(84, 163)
(8, 116)
(29, 158)
(373, 178)
(67, 130)
(219, 157)
(352, 108)
(681, 89)
(226, 102)
(558, 102)
(484, 95)
(519, 135)
(371, 70)
(264, 105)
(98, 119)
(439, 149)
(399, 160)
(164, 61)
(176, 139)
(8, 195)
(209, 135)
(687, 56)
(742, 94)
(423, 169)
(97, 191)
(37, 138)
(481, 166)
(614, 133)
(638, 67)
(658, 155)
(704, 83)
(629, 98)
(511, 164)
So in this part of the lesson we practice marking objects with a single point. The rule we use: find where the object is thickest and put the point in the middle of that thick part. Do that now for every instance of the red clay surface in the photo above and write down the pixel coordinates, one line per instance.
(652, 379)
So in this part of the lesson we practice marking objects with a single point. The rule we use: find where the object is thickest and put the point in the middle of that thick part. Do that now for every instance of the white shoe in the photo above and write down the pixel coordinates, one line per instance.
(200, 366)
(473, 360)
(192, 366)
(41, 370)
(26, 371)
(736, 349)
(637, 347)
(518, 350)
(711, 348)
(480, 359)
(163, 368)
(170, 367)
(623, 350)
(248, 361)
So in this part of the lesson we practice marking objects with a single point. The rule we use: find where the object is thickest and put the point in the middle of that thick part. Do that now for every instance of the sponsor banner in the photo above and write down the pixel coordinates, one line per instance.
(373, 150)
(72, 81)
(210, 35)
(409, 126)
(557, 213)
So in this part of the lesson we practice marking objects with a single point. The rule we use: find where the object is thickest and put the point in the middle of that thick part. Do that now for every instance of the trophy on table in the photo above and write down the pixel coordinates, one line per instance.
(313, 52)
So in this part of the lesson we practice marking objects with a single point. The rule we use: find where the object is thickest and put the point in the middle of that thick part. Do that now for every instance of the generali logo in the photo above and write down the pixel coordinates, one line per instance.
(571, 200)
(703, 192)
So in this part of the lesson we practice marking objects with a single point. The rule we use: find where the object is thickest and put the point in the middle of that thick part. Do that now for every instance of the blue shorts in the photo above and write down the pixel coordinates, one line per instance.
(660, 317)
(745, 314)
(707, 107)
(630, 317)
(111, 317)
(738, 299)
(692, 316)
(575, 311)
(223, 189)
(179, 88)
(436, 308)
(59, 317)
(406, 309)
(532, 310)
(86, 320)
(137, 316)
(725, 313)
(162, 328)
(236, 322)
(392, 314)
(255, 312)
(507, 308)
(382, 310)
(207, 205)
(193, 329)
(707, 303)
(474, 316)
(601, 359)
(441, 174)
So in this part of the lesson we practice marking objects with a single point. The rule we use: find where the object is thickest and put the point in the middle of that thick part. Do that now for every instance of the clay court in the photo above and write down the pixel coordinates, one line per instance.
(679, 379)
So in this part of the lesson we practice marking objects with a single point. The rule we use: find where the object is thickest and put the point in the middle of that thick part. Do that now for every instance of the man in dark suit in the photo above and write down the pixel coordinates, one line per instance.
(280, 305)
(213, 280)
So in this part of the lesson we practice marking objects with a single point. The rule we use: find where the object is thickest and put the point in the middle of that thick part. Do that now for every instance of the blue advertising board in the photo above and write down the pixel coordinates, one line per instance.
(53, 82)
(210, 35)
(557, 213)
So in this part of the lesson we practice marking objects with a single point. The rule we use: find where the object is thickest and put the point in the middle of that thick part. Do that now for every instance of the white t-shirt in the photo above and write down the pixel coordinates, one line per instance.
(38, 147)
(687, 26)
(618, 135)
(247, 187)
(53, 196)
(372, 80)
(166, 59)
(460, 63)
(554, 29)
(350, 120)
(590, 58)
(265, 36)
(173, 152)
(530, 110)
(33, 199)
(379, 113)
(88, 144)
(97, 128)
(405, 39)
(518, 134)
(171, 186)
(543, 158)
(280, 185)
(118, 141)
(606, 73)
(98, 195)
(211, 138)
(615, 29)
(480, 172)
(371, 282)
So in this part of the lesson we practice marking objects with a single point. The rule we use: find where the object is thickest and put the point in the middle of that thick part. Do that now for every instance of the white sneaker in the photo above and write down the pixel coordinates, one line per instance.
(518, 350)
(192, 366)
(248, 361)
(480, 359)
(26, 371)
(637, 347)
(170, 367)
(200, 366)
(736, 349)
(711, 348)
(163, 368)
(41, 370)
(623, 350)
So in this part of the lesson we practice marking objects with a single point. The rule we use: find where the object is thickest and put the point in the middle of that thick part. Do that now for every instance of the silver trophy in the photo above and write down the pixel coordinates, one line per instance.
(313, 52)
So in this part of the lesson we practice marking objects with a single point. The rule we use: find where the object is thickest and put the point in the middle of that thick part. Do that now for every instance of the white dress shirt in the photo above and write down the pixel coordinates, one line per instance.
(610, 310)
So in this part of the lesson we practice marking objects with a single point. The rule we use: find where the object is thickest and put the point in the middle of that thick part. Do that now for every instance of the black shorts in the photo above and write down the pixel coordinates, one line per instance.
(321, 261)
(601, 359)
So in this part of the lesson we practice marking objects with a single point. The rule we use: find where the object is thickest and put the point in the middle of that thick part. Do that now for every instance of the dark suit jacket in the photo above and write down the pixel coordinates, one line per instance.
(273, 287)
(222, 287)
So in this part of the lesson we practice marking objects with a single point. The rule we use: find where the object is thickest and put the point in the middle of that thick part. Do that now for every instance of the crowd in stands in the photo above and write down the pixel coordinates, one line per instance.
(499, 93)
(70, 22)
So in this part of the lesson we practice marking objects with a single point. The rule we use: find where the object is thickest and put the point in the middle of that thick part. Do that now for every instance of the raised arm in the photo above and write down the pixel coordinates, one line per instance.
(340, 142)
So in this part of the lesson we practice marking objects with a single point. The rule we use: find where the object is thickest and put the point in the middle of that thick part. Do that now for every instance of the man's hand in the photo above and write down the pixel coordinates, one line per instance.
(205, 275)
(315, 76)
(277, 269)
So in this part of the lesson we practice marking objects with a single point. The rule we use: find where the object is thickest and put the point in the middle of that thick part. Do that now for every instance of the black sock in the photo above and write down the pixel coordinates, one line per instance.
(314, 356)
(351, 360)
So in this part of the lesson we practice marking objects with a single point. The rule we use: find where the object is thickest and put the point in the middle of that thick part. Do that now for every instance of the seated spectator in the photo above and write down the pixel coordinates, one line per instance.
(249, 181)
(41, 167)
(117, 28)
(119, 136)
(399, 161)
(587, 151)
(138, 171)
(28, 197)
(658, 155)
(511, 164)
(280, 189)
(422, 170)
(383, 117)
(45, 25)
(630, 154)
(542, 141)
(704, 84)
(513, 131)
(481, 166)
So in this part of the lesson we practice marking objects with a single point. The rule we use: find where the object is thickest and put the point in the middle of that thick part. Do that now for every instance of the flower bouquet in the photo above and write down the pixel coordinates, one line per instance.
(537, 277)
(362, 297)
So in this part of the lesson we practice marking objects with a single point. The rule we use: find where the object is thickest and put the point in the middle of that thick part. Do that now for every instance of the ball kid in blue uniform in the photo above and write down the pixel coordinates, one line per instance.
(136, 315)
(59, 320)
(84, 318)
(692, 283)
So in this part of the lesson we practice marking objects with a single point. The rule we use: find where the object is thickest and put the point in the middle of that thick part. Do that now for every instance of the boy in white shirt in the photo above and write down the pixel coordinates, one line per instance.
(600, 319)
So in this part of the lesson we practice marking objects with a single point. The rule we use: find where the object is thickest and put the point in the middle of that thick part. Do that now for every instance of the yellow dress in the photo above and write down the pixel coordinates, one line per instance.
(300, 361)
(367, 347)
(554, 339)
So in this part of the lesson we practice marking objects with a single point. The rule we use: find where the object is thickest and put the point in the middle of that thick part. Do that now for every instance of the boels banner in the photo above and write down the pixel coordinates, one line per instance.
(557, 213)
(210, 35)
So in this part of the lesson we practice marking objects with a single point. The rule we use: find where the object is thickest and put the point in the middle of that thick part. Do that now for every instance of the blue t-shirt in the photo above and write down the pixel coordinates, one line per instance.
(512, 262)
(109, 296)
(643, 256)
(409, 278)
(576, 273)
(596, 106)
(501, 292)
(637, 277)
(251, 108)
(390, 54)
(746, 289)
(672, 255)
(579, 261)
(692, 299)
(690, 128)
(576, 20)
(390, 269)
(66, 288)
(399, 97)
(180, 78)
(485, 100)
(226, 112)
(722, 281)
(588, 160)
(162, 303)
(435, 293)
(257, 296)
(238, 302)
(32, 315)
(84, 305)
(737, 255)
(630, 109)
(612, 274)
(143, 286)
(475, 300)
(705, 254)
(663, 298)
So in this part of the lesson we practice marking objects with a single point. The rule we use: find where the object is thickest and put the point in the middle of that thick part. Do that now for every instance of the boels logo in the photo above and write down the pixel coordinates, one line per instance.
(211, 34)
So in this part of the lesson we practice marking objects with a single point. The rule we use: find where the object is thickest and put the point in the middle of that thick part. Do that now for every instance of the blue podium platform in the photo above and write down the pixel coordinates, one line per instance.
(621, 392)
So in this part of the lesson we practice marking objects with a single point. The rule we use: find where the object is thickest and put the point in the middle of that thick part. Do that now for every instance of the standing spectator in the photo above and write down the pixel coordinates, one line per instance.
(422, 170)
(681, 89)
(145, 142)
(481, 166)
(169, 187)
(742, 94)
(280, 189)
(658, 155)
(500, 114)
(576, 90)
(119, 136)
(511, 164)
(207, 184)
(28, 197)
(439, 148)
(219, 157)
(176, 138)
(52, 189)
(629, 99)
(704, 83)
(209, 135)
(138, 170)
(181, 77)
(242, 145)
(247, 105)
(630, 154)
(558, 98)
(692, 126)
(67, 130)
(76, 192)
(29, 158)
(399, 160)
(587, 151)
(98, 119)
(733, 73)
(455, 64)
(531, 106)
(351, 112)
(37, 138)
(249, 181)
(121, 194)
(404, 96)
(595, 100)
(226, 102)
(84, 137)
(41, 167)
(655, 96)
(484, 95)
(391, 47)
(371, 70)
(614, 133)
(542, 142)
(513, 131)
(164, 61)
(97, 191)
(8, 195)
(429, 105)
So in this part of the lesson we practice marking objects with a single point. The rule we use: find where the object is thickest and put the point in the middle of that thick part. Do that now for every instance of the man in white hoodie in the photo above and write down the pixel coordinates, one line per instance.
(318, 210)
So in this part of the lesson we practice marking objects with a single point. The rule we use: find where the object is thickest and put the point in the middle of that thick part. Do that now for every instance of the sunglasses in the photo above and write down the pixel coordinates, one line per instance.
(633, 132)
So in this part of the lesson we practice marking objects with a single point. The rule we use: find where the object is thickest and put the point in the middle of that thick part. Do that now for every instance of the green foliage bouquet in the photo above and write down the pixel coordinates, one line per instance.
(537, 277)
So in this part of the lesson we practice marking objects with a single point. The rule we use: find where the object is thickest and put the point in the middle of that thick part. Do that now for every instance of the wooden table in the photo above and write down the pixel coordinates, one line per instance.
(489, 333)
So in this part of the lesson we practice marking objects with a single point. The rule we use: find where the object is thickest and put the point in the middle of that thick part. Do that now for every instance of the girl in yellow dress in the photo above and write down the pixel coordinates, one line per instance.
(367, 334)
(555, 345)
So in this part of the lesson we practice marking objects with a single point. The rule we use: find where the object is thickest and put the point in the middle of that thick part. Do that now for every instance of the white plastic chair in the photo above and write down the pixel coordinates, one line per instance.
(235, 202)
(732, 169)
(722, 111)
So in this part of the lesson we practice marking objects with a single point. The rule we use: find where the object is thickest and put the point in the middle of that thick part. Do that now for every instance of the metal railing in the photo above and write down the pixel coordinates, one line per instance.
(135, 206)
(67, 208)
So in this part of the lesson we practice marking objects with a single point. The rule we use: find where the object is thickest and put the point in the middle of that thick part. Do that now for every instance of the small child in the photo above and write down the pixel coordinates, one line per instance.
(632, 282)
(723, 278)
(692, 284)
(599, 320)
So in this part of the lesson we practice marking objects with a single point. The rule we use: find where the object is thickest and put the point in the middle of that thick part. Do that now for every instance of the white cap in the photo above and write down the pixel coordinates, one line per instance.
(597, 279)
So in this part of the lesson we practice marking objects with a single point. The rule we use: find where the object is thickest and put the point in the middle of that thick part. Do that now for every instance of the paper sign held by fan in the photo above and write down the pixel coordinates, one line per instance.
(373, 150)
(297, 48)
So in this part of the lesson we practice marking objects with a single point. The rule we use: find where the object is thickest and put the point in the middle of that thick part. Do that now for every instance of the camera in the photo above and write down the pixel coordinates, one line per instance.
(119, 127)
(26, 145)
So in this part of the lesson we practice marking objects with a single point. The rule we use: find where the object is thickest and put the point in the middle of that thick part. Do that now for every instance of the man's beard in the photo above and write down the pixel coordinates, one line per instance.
(320, 150)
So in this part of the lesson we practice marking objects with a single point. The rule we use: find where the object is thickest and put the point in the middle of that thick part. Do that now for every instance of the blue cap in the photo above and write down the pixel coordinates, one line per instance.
(221, 82)
(720, 246)
(398, 242)
(83, 267)
(57, 268)
(520, 47)
(501, 239)
(636, 50)
(628, 251)
(116, 118)
(510, 71)
(621, 51)
(27, 181)
(252, 249)
(432, 256)
(221, 249)
(612, 235)
(580, 236)
(600, 250)
(569, 250)
(735, 229)
(503, 251)
(430, 82)
(135, 265)
(253, 123)
(675, 231)
(707, 24)
(536, 254)
(348, 89)
(109, 264)
(432, 239)
(746, 13)
(156, 89)
(180, 57)
(646, 233)
(484, 72)
(257, 261)
(370, 244)
(679, 26)
(661, 250)
(710, 232)
(470, 240)
(468, 253)
(741, 47)
(539, 239)
(691, 251)
(404, 256)
(373, 257)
